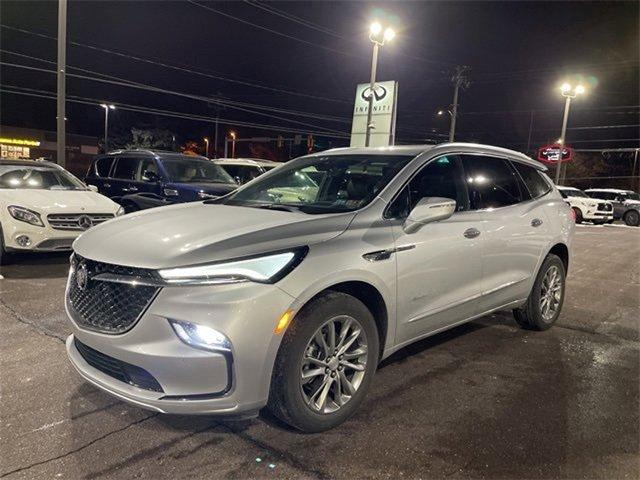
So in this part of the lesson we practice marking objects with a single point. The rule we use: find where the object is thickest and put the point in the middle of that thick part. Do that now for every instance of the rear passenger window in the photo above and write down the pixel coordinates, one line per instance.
(533, 179)
(492, 182)
(126, 168)
(103, 166)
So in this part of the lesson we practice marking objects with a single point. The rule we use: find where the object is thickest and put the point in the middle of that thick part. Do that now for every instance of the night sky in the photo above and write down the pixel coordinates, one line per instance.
(308, 57)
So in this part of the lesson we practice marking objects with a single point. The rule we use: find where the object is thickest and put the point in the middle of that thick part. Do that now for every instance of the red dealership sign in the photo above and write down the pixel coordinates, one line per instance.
(552, 153)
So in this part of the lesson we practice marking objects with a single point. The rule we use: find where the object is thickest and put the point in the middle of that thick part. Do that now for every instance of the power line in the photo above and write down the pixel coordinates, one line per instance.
(153, 111)
(183, 68)
(126, 83)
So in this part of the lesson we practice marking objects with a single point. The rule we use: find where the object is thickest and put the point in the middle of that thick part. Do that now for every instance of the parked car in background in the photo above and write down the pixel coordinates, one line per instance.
(140, 179)
(44, 208)
(594, 210)
(244, 301)
(244, 170)
(626, 203)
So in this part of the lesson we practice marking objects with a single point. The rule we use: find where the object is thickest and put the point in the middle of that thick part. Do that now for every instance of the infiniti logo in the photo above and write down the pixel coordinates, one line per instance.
(82, 276)
(378, 94)
(85, 222)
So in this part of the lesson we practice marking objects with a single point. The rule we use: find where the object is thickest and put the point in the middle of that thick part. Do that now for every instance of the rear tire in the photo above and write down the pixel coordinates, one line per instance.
(632, 218)
(578, 214)
(545, 301)
(312, 388)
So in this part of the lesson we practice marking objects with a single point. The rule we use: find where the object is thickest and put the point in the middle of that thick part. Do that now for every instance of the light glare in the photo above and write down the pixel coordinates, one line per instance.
(565, 87)
(389, 34)
(375, 28)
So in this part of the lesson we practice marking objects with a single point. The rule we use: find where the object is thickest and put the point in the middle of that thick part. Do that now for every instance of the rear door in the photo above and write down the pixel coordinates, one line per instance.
(515, 229)
(98, 175)
(124, 176)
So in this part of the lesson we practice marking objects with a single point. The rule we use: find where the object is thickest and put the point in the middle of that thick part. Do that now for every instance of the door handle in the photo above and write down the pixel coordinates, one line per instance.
(106, 185)
(471, 233)
(536, 222)
(130, 189)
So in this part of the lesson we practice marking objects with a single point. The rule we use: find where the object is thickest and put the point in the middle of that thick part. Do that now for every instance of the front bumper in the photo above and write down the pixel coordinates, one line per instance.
(193, 381)
(43, 239)
(597, 215)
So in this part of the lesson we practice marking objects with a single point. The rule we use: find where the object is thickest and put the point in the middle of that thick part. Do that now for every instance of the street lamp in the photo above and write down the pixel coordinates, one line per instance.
(206, 143)
(569, 92)
(378, 35)
(232, 134)
(106, 123)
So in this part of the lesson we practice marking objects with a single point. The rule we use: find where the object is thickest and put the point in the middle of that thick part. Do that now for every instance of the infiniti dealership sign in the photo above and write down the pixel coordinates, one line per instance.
(385, 100)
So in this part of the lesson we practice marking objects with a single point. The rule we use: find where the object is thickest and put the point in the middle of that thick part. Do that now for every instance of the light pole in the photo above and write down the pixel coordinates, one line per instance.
(106, 124)
(378, 36)
(569, 92)
(206, 149)
(232, 134)
(61, 96)
(460, 80)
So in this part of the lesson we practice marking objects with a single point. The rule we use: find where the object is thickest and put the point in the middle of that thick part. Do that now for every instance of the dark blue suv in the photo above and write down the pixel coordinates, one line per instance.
(139, 179)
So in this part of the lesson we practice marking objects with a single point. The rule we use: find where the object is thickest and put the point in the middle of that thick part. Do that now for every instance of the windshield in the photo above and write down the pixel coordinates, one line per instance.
(328, 184)
(38, 178)
(574, 193)
(188, 170)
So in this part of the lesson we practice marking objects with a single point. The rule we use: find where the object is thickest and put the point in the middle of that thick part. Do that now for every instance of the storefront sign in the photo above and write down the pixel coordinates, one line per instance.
(385, 101)
(555, 153)
(23, 142)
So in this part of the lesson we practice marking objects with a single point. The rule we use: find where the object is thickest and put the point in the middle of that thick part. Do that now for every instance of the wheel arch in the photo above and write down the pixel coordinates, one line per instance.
(370, 296)
(561, 250)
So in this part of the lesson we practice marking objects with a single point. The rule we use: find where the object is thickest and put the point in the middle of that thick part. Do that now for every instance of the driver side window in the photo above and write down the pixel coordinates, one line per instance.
(442, 177)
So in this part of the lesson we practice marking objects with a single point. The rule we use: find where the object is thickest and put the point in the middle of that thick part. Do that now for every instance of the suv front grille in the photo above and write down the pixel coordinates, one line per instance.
(110, 307)
(123, 371)
(76, 221)
(605, 207)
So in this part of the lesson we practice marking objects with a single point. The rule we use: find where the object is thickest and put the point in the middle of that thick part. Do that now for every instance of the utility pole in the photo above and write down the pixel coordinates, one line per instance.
(372, 89)
(61, 96)
(460, 80)
(530, 131)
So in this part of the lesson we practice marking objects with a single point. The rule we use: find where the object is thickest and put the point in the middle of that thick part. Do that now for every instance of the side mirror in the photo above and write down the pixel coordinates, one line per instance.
(93, 188)
(428, 210)
(149, 176)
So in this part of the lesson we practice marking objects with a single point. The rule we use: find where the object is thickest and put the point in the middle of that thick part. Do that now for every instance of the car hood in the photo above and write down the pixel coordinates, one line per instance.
(194, 233)
(59, 201)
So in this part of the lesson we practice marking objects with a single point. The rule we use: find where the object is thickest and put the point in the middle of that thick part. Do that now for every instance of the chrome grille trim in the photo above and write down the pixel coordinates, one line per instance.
(71, 221)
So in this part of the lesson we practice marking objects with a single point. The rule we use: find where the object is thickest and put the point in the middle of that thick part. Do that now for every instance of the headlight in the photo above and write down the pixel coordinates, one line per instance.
(263, 269)
(200, 336)
(120, 212)
(25, 215)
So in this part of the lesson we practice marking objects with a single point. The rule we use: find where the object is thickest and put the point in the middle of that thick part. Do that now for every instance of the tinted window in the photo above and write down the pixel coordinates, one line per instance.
(492, 182)
(443, 177)
(126, 168)
(148, 165)
(37, 178)
(602, 195)
(243, 172)
(533, 179)
(103, 166)
(183, 169)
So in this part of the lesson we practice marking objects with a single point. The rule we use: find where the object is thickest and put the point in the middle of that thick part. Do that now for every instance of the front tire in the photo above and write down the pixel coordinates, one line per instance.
(632, 218)
(578, 214)
(325, 363)
(546, 298)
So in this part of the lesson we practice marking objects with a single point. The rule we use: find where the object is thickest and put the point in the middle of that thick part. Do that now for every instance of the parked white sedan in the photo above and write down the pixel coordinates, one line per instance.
(45, 208)
(593, 210)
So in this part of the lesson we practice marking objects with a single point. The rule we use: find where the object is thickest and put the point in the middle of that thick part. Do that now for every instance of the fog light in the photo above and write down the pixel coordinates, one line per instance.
(200, 336)
(23, 240)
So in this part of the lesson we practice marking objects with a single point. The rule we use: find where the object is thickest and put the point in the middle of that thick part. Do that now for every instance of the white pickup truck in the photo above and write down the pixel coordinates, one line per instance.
(585, 208)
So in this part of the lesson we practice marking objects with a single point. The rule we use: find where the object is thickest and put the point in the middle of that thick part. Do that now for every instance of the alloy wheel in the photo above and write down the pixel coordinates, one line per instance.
(550, 293)
(334, 364)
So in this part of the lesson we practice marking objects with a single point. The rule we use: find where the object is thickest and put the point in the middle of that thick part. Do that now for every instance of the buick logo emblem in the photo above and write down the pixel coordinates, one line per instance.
(82, 277)
(85, 222)
(379, 93)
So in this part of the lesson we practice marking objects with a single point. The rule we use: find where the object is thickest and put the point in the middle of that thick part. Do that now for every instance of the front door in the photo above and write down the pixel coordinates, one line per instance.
(439, 267)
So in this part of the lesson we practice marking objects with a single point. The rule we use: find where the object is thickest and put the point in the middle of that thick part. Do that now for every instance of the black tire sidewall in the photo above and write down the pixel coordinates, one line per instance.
(286, 378)
(632, 214)
(578, 213)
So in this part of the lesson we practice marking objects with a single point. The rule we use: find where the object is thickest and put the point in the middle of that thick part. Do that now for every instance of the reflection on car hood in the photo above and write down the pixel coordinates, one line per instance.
(207, 187)
(58, 201)
(193, 233)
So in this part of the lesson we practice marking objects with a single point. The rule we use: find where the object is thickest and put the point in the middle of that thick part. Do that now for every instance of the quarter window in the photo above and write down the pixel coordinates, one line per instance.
(492, 182)
(442, 177)
(126, 168)
(533, 179)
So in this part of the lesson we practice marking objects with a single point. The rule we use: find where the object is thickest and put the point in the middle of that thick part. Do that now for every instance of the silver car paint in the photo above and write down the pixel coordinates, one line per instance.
(444, 280)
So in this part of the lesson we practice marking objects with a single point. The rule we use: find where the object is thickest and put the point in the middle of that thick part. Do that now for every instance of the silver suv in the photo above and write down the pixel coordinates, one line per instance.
(289, 291)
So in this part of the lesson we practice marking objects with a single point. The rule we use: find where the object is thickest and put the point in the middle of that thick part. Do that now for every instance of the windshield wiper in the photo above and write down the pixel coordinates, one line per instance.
(277, 206)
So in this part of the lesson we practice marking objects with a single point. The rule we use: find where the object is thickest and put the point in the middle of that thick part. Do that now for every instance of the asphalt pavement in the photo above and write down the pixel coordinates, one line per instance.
(484, 400)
